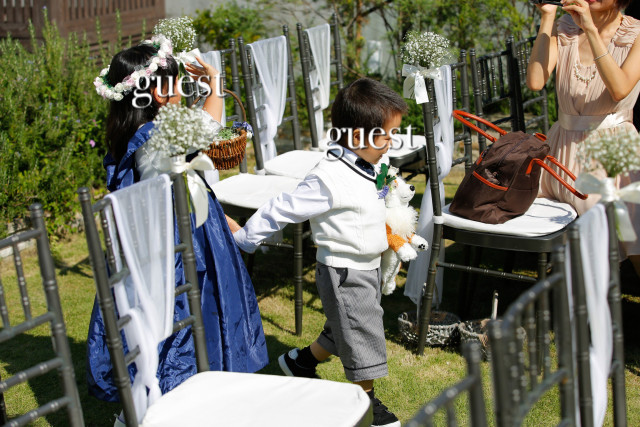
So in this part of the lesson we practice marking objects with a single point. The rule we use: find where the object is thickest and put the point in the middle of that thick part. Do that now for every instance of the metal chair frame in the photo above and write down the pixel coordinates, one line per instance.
(308, 65)
(416, 163)
(519, 380)
(70, 401)
(471, 384)
(495, 79)
(103, 261)
(474, 240)
(251, 81)
(582, 328)
(538, 122)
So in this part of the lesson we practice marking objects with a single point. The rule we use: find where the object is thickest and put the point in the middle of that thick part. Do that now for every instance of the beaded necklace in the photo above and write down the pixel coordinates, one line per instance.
(585, 79)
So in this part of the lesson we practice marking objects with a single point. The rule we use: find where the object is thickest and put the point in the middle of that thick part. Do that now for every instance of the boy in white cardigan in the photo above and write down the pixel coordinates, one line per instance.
(346, 210)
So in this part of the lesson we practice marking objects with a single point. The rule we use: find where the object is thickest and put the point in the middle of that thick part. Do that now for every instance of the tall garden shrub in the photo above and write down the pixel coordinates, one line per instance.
(51, 127)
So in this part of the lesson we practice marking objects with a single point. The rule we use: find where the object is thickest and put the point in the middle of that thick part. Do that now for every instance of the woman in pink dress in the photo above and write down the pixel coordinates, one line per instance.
(597, 61)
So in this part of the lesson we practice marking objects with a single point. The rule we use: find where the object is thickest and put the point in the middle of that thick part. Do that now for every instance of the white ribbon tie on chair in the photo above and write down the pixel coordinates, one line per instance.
(320, 78)
(185, 57)
(593, 230)
(588, 183)
(199, 192)
(144, 216)
(270, 58)
(414, 86)
(443, 134)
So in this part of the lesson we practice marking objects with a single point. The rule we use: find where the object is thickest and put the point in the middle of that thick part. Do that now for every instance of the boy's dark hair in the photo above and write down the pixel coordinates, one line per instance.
(364, 104)
(124, 118)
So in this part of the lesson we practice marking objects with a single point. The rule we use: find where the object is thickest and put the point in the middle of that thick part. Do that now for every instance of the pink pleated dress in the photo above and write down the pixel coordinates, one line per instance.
(585, 104)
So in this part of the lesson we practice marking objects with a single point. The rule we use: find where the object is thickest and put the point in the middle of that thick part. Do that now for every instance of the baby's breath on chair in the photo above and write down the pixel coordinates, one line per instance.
(426, 49)
(617, 154)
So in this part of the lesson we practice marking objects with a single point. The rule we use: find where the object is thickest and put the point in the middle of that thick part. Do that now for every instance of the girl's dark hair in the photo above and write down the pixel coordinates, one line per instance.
(125, 117)
(365, 104)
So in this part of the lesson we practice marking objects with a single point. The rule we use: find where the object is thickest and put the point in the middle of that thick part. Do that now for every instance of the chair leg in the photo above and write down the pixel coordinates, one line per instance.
(542, 338)
(251, 258)
(3, 410)
(427, 298)
(471, 256)
(297, 274)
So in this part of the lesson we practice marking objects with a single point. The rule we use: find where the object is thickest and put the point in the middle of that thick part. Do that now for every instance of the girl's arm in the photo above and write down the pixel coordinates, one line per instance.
(544, 54)
(213, 105)
(618, 80)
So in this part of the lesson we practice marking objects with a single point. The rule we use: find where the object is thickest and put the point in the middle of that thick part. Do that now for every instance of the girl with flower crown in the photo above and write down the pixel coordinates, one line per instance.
(595, 51)
(138, 83)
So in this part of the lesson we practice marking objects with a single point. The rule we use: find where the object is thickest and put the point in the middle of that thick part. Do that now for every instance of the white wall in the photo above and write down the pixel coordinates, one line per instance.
(174, 8)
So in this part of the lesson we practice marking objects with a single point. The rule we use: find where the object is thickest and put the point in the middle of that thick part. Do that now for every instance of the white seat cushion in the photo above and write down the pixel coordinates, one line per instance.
(294, 164)
(544, 217)
(252, 191)
(408, 145)
(236, 399)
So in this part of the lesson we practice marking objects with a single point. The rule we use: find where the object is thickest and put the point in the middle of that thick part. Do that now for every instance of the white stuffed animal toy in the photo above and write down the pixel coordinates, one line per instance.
(401, 226)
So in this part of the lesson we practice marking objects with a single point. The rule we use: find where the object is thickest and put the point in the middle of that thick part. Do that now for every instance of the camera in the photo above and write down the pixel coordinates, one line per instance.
(555, 3)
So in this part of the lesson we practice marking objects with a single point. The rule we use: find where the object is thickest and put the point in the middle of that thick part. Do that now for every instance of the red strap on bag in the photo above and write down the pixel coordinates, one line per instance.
(462, 115)
(553, 173)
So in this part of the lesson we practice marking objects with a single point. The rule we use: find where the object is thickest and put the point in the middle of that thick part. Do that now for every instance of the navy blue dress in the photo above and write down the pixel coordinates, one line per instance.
(235, 339)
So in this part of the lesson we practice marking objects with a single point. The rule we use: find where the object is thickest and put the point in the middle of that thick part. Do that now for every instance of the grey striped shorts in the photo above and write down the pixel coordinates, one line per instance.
(354, 330)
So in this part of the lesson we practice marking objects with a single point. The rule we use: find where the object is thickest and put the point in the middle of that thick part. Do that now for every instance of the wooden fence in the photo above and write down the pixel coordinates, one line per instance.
(80, 16)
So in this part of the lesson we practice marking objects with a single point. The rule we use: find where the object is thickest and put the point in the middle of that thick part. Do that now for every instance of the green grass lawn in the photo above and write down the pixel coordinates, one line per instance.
(413, 380)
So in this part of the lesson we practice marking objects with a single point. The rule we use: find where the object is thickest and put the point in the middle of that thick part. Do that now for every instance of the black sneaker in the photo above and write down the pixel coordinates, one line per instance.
(382, 416)
(291, 368)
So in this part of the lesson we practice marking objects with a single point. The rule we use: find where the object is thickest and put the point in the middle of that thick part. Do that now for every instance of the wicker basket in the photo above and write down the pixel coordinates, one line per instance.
(476, 330)
(227, 154)
(442, 328)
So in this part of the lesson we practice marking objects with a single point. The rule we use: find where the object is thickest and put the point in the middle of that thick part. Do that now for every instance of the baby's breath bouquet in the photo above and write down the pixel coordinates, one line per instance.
(617, 154)
(427, 49)
(179, 129)
(179, 30)
(423, 54)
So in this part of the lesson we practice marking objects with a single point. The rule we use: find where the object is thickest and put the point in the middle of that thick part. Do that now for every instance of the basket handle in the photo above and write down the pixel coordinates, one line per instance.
(238, 100)
(459, 114)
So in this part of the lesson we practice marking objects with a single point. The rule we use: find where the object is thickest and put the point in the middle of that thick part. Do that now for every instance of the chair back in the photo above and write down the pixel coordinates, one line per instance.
(582, 258)
(113, 274)
(471, 384)
(518, 341)
(323, 61)
(227, 62)
(535, 103)
(496, 82)
(32, 318)
(262, 96)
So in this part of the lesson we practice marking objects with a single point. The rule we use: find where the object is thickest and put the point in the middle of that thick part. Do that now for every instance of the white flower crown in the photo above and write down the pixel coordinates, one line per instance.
(117, 92)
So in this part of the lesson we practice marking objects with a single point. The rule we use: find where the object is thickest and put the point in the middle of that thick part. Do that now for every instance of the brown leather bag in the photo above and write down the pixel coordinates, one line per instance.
(505, 179)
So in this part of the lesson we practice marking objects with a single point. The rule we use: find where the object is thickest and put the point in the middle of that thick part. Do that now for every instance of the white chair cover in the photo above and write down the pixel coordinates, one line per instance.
(246, 400)
(143, 213)
(270, 57)
(295, 164)
(320, 43)
(443, 136)
(594, 231)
